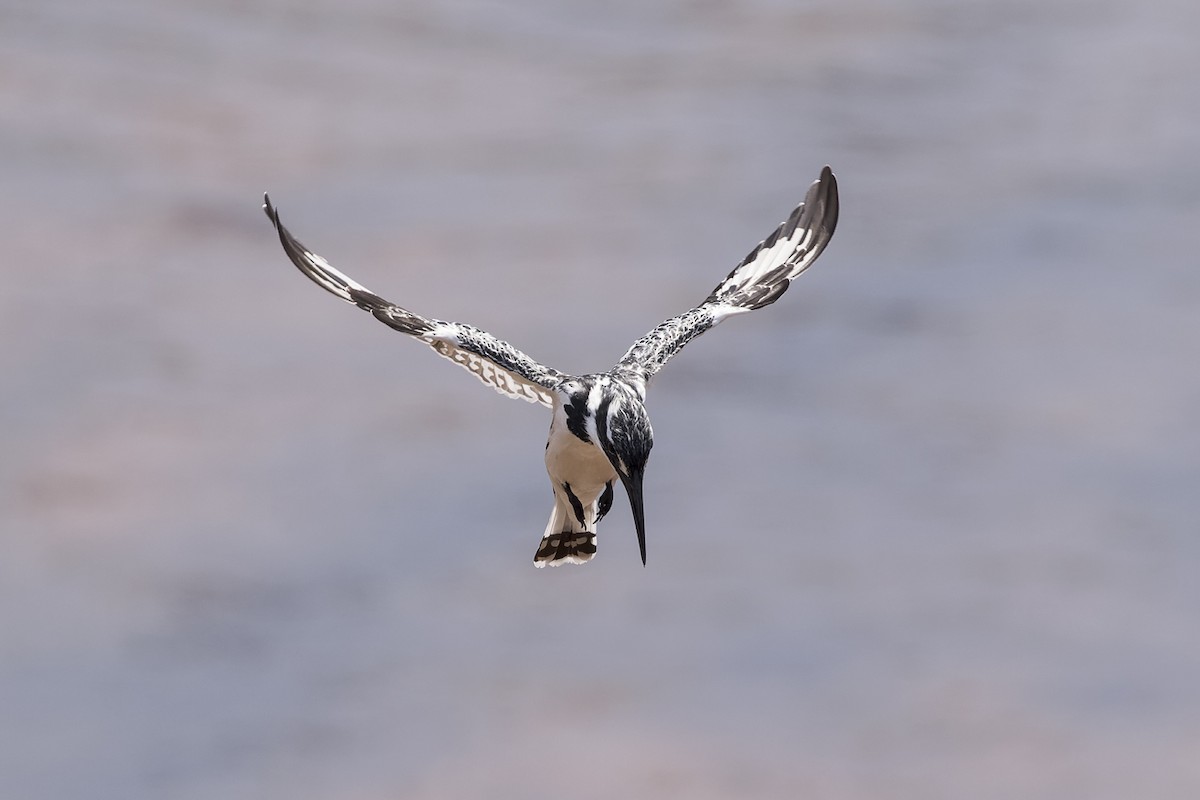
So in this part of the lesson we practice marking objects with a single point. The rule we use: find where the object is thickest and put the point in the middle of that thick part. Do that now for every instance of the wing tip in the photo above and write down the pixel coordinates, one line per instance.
(830, 205)
(818, 216)
(269, 209)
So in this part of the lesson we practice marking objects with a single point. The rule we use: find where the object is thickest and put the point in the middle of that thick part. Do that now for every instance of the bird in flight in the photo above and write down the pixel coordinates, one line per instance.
(599, 429)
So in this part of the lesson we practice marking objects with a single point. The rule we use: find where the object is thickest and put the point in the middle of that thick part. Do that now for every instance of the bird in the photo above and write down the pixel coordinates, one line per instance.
(600, 431)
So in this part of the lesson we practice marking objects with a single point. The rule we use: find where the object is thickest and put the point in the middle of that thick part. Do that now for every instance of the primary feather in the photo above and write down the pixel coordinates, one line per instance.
(494, 361)
(759, 280)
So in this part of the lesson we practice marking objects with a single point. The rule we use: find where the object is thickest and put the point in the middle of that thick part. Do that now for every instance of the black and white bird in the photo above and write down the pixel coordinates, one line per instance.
(599, 430)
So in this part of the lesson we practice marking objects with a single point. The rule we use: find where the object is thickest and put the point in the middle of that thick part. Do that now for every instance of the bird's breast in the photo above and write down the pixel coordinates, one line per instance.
(571, 460)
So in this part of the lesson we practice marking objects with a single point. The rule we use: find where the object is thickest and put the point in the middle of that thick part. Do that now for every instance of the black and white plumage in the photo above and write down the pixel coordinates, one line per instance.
(599, 429)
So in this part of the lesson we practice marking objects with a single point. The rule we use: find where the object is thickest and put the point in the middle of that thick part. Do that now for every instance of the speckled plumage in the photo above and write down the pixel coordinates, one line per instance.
(599, 430)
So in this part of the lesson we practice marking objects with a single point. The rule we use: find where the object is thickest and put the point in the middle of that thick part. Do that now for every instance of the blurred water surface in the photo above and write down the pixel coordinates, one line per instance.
(926, 528)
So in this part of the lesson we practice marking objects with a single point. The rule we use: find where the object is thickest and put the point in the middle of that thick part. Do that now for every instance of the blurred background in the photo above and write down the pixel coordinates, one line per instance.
(926, 528)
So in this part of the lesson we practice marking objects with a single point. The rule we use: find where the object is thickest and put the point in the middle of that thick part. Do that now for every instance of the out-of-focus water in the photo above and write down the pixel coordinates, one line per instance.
(926, 528)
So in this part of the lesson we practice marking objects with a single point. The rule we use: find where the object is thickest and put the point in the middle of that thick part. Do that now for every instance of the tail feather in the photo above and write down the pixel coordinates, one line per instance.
(566, 548)
(563, 543)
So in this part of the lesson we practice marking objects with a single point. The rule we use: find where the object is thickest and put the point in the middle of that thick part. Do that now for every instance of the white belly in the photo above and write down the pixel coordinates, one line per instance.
(581, 464)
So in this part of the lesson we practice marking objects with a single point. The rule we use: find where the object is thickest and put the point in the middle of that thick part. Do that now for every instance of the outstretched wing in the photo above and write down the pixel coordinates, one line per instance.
(495, 362)
(762, 277)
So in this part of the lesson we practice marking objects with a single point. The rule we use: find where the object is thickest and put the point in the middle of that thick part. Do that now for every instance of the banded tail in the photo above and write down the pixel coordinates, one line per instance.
(564, 542)
(568, 539)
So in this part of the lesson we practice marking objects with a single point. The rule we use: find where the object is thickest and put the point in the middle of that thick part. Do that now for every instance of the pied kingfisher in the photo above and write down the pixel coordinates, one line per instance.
(599, 430)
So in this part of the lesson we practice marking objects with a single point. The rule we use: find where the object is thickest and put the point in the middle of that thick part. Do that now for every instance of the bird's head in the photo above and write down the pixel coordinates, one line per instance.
(623, 428)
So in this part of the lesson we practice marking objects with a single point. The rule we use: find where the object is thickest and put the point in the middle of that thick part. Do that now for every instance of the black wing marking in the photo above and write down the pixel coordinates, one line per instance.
(762, 277)
(495, 362)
